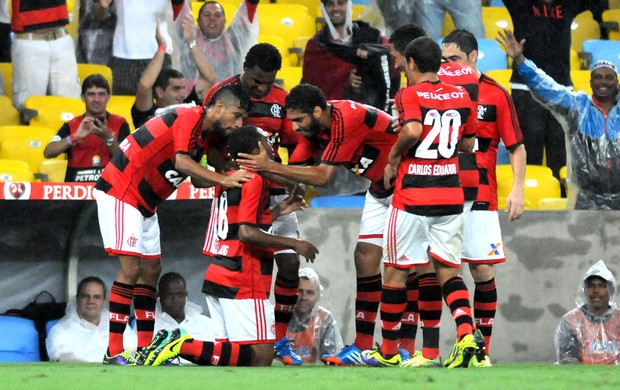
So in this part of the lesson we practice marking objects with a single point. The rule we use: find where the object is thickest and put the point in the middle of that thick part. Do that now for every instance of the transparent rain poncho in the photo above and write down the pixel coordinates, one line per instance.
(593, 141)
(583, 337)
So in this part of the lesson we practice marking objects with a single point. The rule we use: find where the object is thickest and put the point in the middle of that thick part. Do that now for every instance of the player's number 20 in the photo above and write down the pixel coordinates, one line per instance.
(445, 129)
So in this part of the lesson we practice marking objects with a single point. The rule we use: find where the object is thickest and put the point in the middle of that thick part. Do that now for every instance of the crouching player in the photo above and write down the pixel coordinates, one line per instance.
(238, 277)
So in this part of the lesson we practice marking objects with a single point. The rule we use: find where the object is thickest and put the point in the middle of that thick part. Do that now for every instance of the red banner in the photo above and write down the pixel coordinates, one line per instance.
(82, 191)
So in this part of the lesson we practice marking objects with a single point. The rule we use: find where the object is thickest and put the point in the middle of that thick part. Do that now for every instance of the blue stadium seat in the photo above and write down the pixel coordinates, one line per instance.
(491, 56)
(49, 325)
(338, 201)
(503, 155)
(19, 340)
(599, 49)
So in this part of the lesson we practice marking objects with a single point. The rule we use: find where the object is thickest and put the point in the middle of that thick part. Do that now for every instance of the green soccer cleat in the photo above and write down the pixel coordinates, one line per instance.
(166, 345)
(462, 353)
(418, 360)
(373, 357)
(480, 361)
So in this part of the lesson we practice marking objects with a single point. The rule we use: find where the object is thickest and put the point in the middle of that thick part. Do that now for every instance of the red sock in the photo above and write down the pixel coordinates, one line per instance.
(120, 304)
(393, 303)
(409, 323)
(430, 304)
(457, 297)
(144, 301)
(367, 302)
(485, 306)
(285, 294)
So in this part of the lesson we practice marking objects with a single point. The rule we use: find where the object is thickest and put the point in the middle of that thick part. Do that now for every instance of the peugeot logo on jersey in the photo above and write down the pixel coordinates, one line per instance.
(276, 110)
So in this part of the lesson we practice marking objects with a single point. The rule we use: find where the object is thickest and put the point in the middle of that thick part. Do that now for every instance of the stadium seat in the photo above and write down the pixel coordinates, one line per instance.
(495, 19)
(552, 204)
(85, 70)
(8, 114)
(448, 25)
(121, 105)
(338, 201)
(281, 9)
(53, 171)
(49, 325)
(288, 59)
(491, 56)
(611, 21)
(26, 143)
(288, 27)
(575, 61)
(503, 155)
(581, 80)
(289, 77)
(496, 3)
(313, 6)
(299, 45)
(8, 173)
(502, 76)
(19, 341)
(584, 27)
(6, 68)
(599, 49)
(14, 164)
(539, 183)
(54, 111)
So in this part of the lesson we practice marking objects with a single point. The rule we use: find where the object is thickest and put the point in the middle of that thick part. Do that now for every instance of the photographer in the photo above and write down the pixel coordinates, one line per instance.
(90, 139)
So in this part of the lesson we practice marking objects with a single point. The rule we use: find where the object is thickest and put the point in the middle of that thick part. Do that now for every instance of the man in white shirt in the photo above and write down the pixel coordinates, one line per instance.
(82, 334)
(175, 311)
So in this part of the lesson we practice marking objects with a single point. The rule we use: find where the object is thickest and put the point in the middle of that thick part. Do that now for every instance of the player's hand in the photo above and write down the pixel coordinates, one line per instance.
(513, 48)
(389, 173)
(306, 249)
(236, 179)
(515, 205)
(255, 162)
(291, 204)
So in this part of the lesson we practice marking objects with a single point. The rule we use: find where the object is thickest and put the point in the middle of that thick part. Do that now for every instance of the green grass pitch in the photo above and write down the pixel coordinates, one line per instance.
(50, 376)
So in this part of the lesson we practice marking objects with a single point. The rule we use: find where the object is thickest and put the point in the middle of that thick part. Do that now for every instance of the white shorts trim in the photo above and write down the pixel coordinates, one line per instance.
(124, 230)
(408, 236)
(483, 238)
(373, 219)
(244, 321)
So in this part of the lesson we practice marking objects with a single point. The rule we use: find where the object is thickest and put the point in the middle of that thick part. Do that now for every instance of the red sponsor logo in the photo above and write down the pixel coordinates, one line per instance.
(17, 190)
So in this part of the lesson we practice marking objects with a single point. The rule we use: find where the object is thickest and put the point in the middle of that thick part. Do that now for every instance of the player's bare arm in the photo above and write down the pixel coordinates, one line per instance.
(255, 236)
(293, 202)
(201, 176)
(515, 202)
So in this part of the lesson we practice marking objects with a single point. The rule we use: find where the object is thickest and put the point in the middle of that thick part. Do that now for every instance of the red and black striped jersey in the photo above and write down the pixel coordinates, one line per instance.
(497, 119)
(142, 171)
(267, 113)
(31, 15)
(427, 182)
(360, 139)
(464, 76)
(238, 270)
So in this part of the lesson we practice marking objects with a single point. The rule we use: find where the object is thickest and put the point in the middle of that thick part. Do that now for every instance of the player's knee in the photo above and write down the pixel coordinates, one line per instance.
(367, 259)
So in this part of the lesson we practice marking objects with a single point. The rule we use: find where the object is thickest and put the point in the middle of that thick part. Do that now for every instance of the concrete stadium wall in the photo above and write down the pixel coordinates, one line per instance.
(548, 253)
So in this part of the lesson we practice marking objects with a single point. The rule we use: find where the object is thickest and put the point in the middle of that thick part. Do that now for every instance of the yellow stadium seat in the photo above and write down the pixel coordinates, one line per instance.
(575, 61)
(552, 204)
(54, 111)
(611, 20)
(290, 76)
(502, 76)
(15, 174)
(26, 143)
(281, 9)
(539, 183)
(448, 25)
(581, 80)
(495, 19)
(584, 27)
(85, 70)
(287, 27)
(55, 170)
(6, 68)
(288, 59)
(299, 45)
(14, 164)
(121, 105)
(8, 114)
(313, 6)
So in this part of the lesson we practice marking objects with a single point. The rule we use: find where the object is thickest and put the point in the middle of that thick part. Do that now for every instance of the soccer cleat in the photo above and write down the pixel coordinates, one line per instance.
(480, 359)
(165, 345)
(373, 357)
(418, 360)
(124, 358)
(348, 356)
(285, 353)
(404, 354)
(462, 353)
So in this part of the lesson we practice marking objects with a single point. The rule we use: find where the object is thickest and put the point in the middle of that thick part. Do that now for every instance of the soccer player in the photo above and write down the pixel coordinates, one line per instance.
(237, 281)
(148, 167)
(423, 289)
(497, 120)
(425, 218)
(260, 67)
(358, 137)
